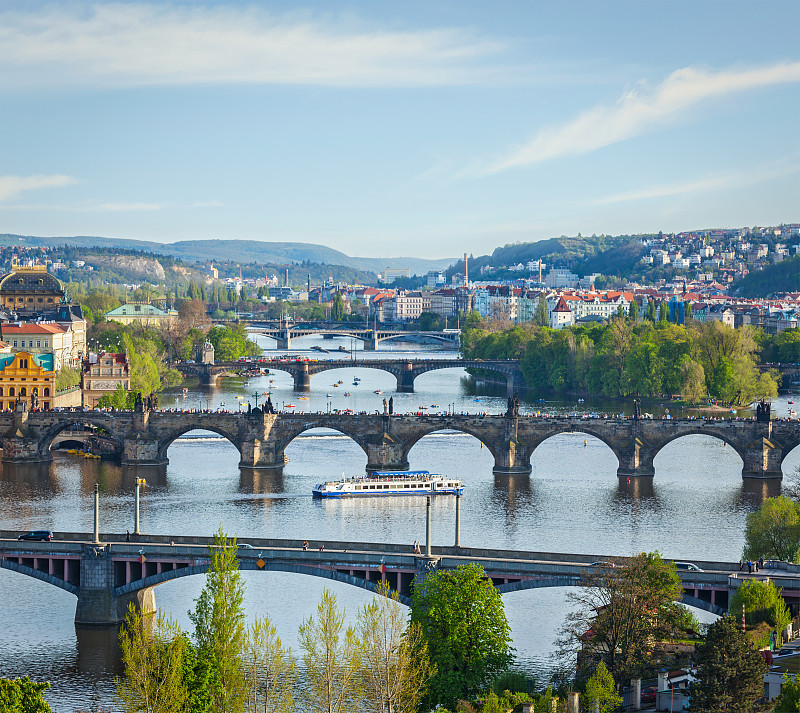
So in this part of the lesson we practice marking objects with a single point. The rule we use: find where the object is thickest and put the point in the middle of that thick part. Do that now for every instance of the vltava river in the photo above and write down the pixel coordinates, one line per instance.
(572, 502)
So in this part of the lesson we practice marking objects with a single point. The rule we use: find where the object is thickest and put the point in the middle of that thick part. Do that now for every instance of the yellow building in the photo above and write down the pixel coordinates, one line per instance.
(23, 375)
(30, 288)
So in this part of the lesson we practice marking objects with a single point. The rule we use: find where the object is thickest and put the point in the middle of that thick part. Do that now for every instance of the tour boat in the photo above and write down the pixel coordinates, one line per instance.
(390, 482)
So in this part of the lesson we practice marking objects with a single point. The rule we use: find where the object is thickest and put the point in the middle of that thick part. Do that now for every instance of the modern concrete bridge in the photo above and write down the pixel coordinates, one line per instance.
(143, 438)
(371, 337)
(109, 575)
(404, 370)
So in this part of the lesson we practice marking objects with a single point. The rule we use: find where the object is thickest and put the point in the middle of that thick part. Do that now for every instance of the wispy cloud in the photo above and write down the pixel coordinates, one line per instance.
(739, 179)
(640, 112)
(128, 44)
(12, 186)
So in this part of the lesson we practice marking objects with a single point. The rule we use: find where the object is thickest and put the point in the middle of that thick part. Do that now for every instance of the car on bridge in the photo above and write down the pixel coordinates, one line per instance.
(687, 567)
(40, 535)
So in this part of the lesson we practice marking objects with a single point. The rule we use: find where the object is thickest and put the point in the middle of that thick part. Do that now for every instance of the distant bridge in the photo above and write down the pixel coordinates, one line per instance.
(789, 372)
(284, 334)
(106, 577)
(404, 370)
(143, 438)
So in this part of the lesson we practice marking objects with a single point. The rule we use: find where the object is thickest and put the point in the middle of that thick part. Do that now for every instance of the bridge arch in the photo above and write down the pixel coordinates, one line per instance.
(701, 431)
(38, 574)
(247, 564)
(587, 430)
(81, 419)
(287, 439)
(167, 440)
(409, 443)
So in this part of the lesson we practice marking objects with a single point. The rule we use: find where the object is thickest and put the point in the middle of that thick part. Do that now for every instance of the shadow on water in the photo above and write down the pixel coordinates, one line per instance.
(755, 491)
(261, 481)
(636, 492)
(99, 655)
(513, 495)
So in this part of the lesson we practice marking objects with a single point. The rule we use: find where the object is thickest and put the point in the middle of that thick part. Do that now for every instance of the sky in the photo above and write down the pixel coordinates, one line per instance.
(426, 128)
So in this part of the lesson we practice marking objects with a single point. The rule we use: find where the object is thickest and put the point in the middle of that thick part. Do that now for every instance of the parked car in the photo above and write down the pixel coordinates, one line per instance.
(687, 567)
(41, 535)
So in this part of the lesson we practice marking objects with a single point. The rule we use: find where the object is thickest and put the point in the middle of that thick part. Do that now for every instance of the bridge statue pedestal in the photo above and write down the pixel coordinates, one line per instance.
(98, 605)
(762, 459)
(425, 566)
(21, 444)
(386, 453)
(511, 457)
(141, 449)
(302, 379)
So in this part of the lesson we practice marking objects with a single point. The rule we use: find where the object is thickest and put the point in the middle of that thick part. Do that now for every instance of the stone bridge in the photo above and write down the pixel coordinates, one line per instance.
(108, 575)
(371, 337)
(261, 438)
(404, 370)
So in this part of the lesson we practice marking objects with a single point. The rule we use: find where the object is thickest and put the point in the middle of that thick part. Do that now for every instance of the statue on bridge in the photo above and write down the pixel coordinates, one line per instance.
(268, 407)
(513, 406)
(763, 411)
(391, 405)
(637, 409)
(385, 407)
(34, 399)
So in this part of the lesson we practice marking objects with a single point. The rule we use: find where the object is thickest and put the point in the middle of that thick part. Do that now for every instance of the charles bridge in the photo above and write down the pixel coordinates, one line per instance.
(142, 438)
(404, 370)
(106, 573)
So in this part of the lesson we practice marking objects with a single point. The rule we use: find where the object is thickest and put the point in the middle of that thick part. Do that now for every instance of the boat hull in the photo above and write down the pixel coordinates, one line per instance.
(398, 493)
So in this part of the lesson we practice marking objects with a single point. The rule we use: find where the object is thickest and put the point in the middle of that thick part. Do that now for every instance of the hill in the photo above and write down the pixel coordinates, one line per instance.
(781, 277)
(242, 251)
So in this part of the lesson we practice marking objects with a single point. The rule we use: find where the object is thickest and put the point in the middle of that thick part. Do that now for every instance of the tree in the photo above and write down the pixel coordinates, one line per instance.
(21, 695)
(270, 670)
(625, 606)
(633, 311)
(773, 531)
(332, 656)
(663, 312)
(337, 308)
(651, 310)
(541, 318)
(153, 650)
(218, 619)
(601, 692)
(462, 619)
(789, 700)
(762, 603)
(730, 673)
(694, 382)
(397, 667)
(192, 315)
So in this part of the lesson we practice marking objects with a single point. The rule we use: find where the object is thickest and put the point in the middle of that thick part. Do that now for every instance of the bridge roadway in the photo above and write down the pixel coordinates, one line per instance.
(283, 335)
(106, 577)
(143, 438)
(404, 370)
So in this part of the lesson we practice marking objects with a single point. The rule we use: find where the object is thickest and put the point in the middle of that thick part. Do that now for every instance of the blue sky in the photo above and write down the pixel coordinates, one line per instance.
(395, 128)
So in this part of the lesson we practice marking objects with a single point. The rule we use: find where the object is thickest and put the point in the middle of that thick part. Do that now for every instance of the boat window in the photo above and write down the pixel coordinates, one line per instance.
(358, 487)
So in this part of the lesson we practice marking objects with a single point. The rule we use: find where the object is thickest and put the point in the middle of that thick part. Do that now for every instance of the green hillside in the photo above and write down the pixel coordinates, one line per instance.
(782, 277)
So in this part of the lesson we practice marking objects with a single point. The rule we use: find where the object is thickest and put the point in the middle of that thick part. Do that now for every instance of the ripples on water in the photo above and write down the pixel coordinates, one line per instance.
(573, 501)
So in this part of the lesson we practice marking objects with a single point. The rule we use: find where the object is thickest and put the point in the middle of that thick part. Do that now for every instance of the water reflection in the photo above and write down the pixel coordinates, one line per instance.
(30, 479)
(513, 496)
(261, 480)
(755, 491)
(635, 491)
(98, 650)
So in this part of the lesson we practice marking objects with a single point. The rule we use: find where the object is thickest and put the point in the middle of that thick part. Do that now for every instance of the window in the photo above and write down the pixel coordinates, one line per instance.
(47, 405)
(38, 342)
(46, 391)
(11, 391)
(23, 391)
(1, 390)
(15, 342)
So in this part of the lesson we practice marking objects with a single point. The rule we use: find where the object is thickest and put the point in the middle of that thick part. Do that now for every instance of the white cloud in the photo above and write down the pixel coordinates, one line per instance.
(12, 186)
(151, 44)
(637, 113)
(714, 183)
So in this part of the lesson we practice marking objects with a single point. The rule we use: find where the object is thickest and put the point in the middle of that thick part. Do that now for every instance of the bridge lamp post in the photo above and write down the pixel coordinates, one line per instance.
(96, 514)
(139, 482)
(428, 526)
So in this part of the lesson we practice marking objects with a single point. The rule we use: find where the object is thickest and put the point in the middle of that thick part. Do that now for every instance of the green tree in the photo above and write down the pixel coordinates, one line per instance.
(789, 700)
(337, 308)
(601, 691)
(21, 695)
(462, 619)
(688, 314)
(633, 311)
(694, 382)
(270, 670)
(730, 673)
(762, 603)
(773, 531)
(218, 619)
(663, 312)
(541, 317)
(626, 604)
(153, 650)
(397, 667)
(332, 655)
(651, 310)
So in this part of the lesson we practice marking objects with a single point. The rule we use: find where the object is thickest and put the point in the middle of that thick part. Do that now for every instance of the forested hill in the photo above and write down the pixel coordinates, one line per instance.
(240, 251)
(781, 277)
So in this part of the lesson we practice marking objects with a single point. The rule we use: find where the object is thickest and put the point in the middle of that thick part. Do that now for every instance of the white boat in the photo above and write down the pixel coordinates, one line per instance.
(390, 482)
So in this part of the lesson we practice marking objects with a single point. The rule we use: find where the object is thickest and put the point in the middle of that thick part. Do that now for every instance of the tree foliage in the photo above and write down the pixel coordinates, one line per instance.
(773, 531)
(332, 655)
(462, 619)
(762, 603)
(270, 670)
(397, 667)
(623, 608)
(730, 673)
(232, 342)
(601, 691)
(21, 695)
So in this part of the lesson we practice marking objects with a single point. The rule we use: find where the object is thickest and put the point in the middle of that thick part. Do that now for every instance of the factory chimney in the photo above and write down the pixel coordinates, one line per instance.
(308, 288)
(466, 271)
(287, 277)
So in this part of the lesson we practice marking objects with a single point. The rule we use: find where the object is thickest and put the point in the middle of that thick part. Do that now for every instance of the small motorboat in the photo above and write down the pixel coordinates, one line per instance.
(302, 398)
(290, 406)
(336, 386)
(347, 393)
(340, 381)
(378, 391)
(329, 396)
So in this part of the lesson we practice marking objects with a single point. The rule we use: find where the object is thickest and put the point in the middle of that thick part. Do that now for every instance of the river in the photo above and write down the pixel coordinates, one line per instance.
(695, 507)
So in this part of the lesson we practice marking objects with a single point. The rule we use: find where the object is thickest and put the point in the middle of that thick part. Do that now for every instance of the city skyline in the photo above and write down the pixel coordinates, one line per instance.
(383, 132)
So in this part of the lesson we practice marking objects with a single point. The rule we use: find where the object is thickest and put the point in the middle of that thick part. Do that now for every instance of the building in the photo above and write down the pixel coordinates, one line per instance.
(435, 279)
(24, 376)
(102, 373)
(28, 289)
(390, 274)
(561, 315)
(143, 313)
(43, 338)
(405, 306)
(559, 278)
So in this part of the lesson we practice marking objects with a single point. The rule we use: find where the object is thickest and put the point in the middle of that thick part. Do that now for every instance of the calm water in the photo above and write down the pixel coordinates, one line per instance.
(572, 502)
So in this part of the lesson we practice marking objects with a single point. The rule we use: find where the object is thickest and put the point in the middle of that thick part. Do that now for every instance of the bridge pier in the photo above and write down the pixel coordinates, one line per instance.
(511, 457)
(762, 459)
(405, 378)
(302, 379)
(261, 454)
(370, 344)
(97, 603)
(634, 458)
(386, 452)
